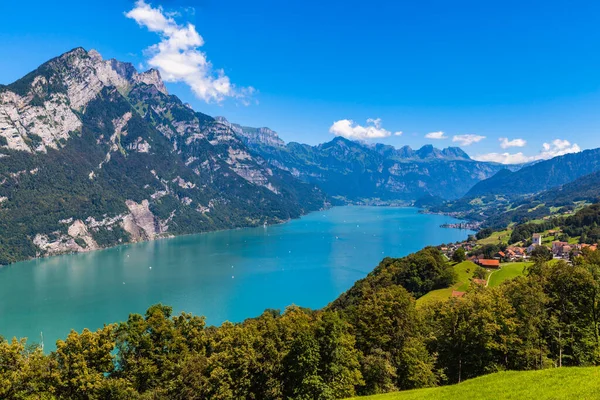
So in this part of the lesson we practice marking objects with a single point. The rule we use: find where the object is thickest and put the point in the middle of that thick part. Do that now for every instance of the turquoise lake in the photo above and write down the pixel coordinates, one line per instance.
(228, 275)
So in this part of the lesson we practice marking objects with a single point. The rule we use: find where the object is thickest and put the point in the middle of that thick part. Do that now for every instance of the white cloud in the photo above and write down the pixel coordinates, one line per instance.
(503, 158)
(505, 143)
(436, 135)
(557, 148)
(467, 140)
(178, 58)
(350, 130)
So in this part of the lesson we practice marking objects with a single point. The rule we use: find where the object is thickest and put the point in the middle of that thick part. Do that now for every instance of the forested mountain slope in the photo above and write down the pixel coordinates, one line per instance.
(93, 153)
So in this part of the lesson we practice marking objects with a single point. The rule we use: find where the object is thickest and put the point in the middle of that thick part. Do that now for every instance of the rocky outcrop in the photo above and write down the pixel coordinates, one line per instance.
(140, 223)
(29, 126)
(79, 230)
(58, 244)
(43, 116)
(151, 77)
(139, 145)
(260, 136)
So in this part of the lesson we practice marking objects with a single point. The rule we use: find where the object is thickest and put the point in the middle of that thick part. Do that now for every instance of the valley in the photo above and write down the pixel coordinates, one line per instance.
(193, 257)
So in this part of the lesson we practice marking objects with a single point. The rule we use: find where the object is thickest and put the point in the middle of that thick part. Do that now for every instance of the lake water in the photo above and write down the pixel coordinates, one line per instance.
(228, 275)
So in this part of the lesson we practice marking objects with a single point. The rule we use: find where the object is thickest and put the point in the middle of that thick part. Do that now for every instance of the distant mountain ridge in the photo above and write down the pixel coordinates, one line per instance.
(540, 176)
(498, 209)
(359, 172)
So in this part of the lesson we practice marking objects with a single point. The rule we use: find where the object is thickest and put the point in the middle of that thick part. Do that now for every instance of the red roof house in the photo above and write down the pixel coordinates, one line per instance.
(488, 263)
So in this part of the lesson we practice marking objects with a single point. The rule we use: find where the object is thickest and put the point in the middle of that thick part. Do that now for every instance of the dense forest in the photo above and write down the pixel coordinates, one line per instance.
(372, 339)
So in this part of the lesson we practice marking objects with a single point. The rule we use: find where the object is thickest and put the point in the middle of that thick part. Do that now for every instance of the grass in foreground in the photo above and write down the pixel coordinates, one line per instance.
(558, 383)
(464, 270)
(507, 271)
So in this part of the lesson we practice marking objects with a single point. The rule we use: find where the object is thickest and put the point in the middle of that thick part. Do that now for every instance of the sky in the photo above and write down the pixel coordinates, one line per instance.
(508, 81)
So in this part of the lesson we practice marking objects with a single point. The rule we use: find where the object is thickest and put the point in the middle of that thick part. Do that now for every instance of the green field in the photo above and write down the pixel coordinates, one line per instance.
(557, 383)
(496, 238)
(507, 271)
(464, 270)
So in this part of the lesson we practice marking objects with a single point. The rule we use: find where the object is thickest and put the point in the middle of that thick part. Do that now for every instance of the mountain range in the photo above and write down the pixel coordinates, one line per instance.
(554, 186)
(355, 172)
(540, 176)
(94, 153)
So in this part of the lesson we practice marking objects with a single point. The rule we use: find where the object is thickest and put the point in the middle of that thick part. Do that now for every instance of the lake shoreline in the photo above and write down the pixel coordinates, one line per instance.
(158, 238)
(229, 275)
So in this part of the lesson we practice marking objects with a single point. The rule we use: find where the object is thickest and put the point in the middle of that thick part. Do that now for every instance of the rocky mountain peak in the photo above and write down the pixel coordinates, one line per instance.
(40, 110)
(428, 151)
(254, 136)
(152, 77)
(455, 152)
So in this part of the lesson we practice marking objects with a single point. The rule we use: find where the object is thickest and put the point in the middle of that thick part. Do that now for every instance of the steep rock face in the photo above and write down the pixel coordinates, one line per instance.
(79, 230)
(93, 154)
(190, 131)
(39, 111)
(28, 125)
(140, 223)
(152, 78)
(255, 136)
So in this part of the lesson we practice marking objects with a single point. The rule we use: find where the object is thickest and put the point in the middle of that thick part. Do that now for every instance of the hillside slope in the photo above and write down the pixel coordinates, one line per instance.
(498, 211)
(558, 383)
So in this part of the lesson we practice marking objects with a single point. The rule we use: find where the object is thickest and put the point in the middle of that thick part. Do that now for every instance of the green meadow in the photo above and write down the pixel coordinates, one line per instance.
(558, 383)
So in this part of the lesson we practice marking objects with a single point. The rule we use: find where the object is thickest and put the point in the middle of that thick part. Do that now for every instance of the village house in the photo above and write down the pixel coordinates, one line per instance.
(557, 246)
(561, 249)
(448, 250)
(578, 249)
(486, 263)
(516, 253)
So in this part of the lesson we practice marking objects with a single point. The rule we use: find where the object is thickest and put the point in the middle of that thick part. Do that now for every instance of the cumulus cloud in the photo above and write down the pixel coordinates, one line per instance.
(557, 147)
(350, 130)
(505, 143)
(504, 158)
(436, 135)
(467, 140)
(178, 57)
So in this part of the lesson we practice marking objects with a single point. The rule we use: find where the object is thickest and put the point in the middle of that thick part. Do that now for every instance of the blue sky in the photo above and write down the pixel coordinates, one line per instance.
(478, 71)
